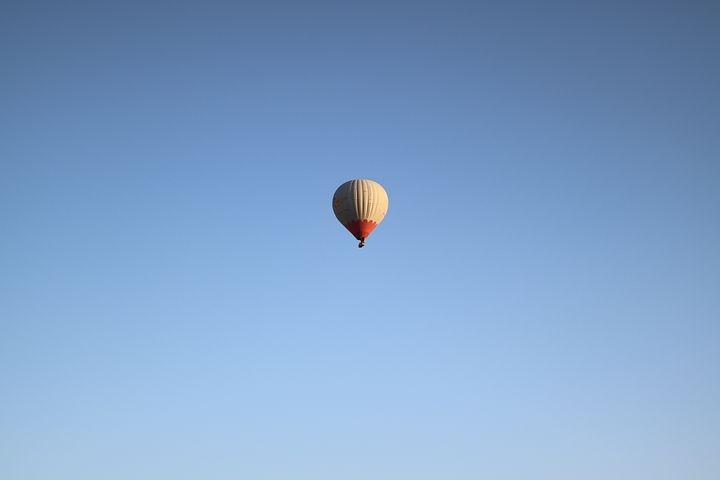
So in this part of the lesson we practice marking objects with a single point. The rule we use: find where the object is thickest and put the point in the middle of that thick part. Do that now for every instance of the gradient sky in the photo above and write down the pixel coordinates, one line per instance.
(177, 300)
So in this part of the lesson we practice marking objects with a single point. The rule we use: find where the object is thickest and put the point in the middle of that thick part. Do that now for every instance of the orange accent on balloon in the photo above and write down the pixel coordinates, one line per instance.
(361, 228)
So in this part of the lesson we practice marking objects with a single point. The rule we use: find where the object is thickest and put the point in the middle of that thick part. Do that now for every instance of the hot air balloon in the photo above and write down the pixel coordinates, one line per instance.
(360, 205)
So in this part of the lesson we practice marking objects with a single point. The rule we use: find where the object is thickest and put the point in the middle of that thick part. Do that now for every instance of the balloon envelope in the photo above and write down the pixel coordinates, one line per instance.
(360, 205)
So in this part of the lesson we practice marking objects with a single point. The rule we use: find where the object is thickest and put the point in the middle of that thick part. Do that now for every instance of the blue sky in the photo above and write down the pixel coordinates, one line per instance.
(178, 301)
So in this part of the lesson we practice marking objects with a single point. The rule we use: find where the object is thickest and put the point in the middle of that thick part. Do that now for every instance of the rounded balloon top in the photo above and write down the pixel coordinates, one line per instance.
(360, 205)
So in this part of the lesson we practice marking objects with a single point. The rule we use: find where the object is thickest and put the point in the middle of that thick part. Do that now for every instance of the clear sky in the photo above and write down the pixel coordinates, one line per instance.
(177, 300)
